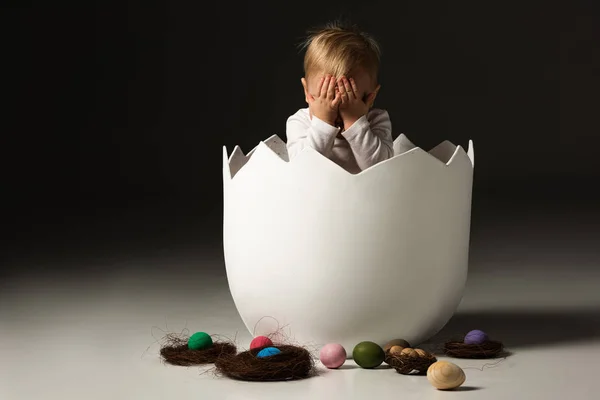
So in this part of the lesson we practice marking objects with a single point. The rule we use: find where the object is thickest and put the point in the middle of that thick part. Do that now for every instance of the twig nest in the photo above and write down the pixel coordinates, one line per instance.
(411, 361)
(475, 344)
(368, 354)
(196, 350)
(445, 375)
(394, 347)
(290, 363)
(259, 342)
(333, 355)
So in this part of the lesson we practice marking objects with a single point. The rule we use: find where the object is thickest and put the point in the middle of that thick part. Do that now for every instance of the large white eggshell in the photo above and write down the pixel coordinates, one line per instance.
(331, 256)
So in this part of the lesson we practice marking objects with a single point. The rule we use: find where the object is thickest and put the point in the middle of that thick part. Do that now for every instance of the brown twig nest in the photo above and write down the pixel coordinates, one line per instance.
(291, 364)
(488, 349)
(411, 361)
(176, 352)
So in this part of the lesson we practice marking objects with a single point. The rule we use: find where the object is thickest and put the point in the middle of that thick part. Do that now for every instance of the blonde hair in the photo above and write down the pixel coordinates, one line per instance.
(340, 49)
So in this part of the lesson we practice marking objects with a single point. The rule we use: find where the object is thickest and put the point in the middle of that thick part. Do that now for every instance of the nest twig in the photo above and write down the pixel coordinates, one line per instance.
(176, 352)
(410, 365)
(488, 349)
(291, 364)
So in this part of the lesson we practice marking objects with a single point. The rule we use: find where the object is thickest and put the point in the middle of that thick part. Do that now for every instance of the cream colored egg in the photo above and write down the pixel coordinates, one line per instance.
(421, 352)
(445, 375)
(396, 342)
(409, 352)
(396, 350)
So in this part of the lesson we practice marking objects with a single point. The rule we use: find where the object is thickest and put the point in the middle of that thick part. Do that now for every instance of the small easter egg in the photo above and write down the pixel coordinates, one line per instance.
(475, 337)
(421, 352)
(395, 342)
(333, 355)
(268, 352)
(199, 341)
(409, 352)
(260, 341)
(445, 375)
(368, 354)
(396, 350)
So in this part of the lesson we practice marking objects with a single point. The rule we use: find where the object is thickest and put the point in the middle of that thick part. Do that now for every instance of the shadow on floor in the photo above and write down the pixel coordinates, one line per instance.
(522, 329)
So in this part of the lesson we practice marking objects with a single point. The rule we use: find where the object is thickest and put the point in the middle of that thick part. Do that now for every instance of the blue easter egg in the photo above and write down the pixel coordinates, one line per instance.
(475, 337)
(268, 352)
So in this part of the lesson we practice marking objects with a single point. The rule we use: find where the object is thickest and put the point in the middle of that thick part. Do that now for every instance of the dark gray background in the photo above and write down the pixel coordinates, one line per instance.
(116, 115)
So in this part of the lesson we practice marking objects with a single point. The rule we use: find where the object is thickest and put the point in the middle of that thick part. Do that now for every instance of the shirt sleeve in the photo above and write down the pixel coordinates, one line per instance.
(370, 138)
(302, 131)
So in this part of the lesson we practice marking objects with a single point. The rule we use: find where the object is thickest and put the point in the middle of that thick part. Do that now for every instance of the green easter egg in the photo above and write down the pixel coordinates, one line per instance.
(199, 341)
(368, 354)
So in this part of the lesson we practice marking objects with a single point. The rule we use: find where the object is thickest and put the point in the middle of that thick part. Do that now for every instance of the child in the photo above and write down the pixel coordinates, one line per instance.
(340, 85)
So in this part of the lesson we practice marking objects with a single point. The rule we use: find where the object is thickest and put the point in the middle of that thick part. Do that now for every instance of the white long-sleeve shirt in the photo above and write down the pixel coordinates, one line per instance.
(367, 142)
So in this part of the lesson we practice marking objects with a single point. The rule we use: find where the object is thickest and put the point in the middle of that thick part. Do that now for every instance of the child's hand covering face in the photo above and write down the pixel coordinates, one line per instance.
(339, 102)
(325, 102)
(353, 104)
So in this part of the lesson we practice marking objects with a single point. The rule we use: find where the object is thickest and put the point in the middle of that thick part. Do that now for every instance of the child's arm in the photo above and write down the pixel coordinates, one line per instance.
(370, 138)
(368, 133)
(302, 132)
(316, 131)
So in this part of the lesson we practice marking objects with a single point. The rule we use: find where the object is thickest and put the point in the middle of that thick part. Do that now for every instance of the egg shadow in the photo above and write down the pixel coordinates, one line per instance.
(465, 389)
(346, 366)
(521, 329)
(353, 366)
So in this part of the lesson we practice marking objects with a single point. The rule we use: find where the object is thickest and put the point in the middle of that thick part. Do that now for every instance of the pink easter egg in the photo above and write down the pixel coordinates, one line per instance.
(333, 355)
(260, 341)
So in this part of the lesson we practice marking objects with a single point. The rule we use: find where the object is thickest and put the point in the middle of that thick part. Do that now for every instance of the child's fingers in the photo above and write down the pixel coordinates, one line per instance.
(331, 89)
(342, 92)
(354, 87)
(320, 86)
(325, 88)
(336, 101)
(349, 89)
